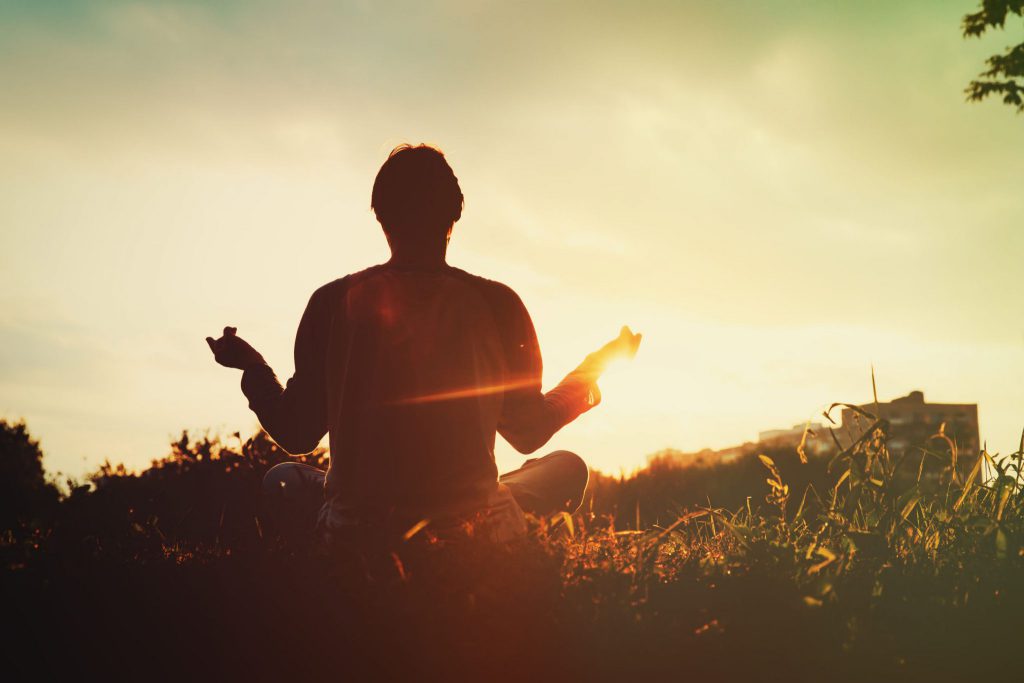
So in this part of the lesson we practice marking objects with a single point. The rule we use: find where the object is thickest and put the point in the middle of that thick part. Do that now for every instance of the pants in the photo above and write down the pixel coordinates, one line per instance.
(542, 486)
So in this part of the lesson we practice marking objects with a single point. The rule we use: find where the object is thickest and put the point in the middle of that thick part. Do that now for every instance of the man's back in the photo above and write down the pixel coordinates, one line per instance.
(418, 370)
(413, 371)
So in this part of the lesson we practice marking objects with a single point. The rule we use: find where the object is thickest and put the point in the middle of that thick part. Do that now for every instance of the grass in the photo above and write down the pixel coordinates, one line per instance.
(866, 571)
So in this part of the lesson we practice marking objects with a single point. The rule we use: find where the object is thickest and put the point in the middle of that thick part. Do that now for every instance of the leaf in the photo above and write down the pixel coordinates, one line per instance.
(567, 519)
(829, 556)
(910, 505)
(857, 409)
(1004, 496)
(415, 529)
(906, 502)
(682, 520)
(845, 475)
(770, 464)
(800, 510)
(874, 387)
(734, 530)
(967, 484)
(1001, 543)
(801, 449)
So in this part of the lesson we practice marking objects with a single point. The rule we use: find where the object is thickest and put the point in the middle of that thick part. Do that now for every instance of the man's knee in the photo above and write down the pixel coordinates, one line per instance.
(275, 481)
(556, 482)
(574, 475)
(291, 479)
(573, 466)
(292, 496)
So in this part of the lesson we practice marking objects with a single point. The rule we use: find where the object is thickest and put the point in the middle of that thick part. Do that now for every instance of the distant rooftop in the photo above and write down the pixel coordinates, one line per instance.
(916, 398)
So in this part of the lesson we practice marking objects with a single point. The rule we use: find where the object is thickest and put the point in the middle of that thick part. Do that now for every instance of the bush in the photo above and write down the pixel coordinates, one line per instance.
(858, 574)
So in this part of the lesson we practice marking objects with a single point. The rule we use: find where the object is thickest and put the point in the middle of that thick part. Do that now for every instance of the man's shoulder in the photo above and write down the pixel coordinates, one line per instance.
(339, 286)
(507, 308)
(492, 290)
(498, 295)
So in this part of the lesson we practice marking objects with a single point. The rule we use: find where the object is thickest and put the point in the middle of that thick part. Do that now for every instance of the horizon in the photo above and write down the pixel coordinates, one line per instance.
(727, 181)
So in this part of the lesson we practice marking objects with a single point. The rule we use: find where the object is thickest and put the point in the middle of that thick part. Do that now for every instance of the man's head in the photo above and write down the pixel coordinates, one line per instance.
(416, 196)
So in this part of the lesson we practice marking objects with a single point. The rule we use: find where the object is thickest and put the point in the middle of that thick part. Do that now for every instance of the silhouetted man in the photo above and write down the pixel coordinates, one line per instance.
(413, 366)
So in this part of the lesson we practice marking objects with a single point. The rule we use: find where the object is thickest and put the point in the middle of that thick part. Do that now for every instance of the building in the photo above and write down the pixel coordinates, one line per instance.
(818, 441)
(913, 423)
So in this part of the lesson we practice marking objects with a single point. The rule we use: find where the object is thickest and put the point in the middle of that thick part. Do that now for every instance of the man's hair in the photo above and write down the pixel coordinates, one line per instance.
(416, 189)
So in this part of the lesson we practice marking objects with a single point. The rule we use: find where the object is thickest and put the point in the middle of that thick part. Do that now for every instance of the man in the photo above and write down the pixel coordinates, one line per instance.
(413, 366)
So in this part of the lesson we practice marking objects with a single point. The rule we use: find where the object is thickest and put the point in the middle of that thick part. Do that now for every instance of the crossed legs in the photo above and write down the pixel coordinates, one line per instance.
(543, 486)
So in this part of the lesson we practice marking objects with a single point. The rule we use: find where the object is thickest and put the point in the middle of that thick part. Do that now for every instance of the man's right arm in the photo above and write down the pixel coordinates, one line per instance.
(295, 415)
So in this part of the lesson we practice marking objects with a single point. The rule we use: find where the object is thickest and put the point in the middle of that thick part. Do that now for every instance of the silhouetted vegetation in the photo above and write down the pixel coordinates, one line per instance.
(761, 568)
(26, 497)
(664, 490)
(1005, 73)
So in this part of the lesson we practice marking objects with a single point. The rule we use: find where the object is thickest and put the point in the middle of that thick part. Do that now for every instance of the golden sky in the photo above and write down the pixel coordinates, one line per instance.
(777, 194)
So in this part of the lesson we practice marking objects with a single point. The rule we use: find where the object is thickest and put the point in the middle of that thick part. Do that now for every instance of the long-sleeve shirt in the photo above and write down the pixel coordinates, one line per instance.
(413, 371)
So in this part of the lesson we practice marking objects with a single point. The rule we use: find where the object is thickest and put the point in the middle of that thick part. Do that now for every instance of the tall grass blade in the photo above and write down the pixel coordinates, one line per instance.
(968, 484)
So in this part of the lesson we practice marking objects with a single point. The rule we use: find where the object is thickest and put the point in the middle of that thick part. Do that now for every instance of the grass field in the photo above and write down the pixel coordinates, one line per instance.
(861, 573)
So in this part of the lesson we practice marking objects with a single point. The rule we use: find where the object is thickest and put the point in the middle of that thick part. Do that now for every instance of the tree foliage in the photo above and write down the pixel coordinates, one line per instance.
(1005, 73)
(25, 494)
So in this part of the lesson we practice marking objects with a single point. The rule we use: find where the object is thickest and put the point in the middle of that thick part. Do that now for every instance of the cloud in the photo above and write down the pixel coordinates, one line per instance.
(745, 167)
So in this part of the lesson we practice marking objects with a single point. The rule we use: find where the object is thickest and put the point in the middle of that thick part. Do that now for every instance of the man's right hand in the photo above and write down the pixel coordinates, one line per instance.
(232, 351)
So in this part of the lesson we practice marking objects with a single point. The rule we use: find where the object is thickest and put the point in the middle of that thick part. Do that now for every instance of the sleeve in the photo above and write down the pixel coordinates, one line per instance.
(295, 415)
(530, 417)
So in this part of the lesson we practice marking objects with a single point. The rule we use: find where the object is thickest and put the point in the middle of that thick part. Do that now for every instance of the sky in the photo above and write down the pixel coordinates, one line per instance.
(778, 195)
